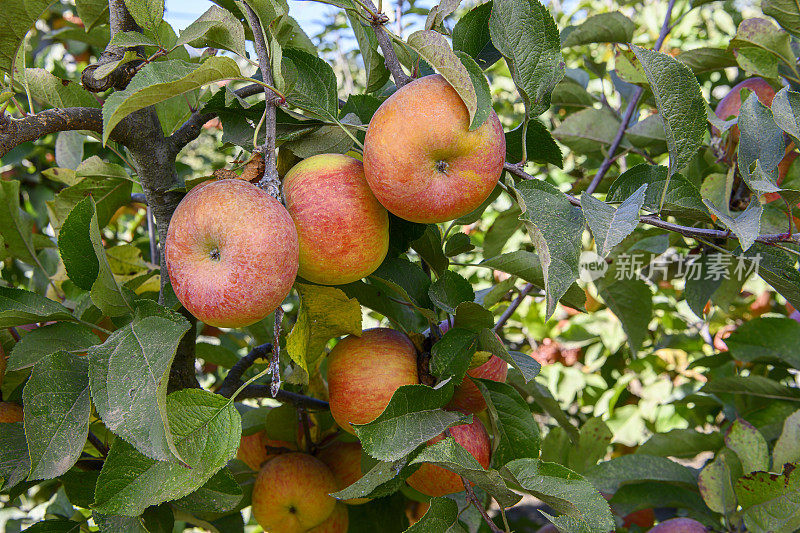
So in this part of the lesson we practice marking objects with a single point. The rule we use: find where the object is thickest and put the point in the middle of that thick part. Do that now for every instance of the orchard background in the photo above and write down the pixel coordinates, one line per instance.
(630, 399)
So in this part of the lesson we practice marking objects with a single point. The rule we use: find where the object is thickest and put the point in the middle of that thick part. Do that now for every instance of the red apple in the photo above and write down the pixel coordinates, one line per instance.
(342, 229)
(643, 518)
(731, 103)
(10, 412)
(421, 160)
(344, 460)
(253, 449)
(433, 480)
(337, 522)
(364, 372)
(291, 494)
(231, 253)
(679, 525)
(467, 397)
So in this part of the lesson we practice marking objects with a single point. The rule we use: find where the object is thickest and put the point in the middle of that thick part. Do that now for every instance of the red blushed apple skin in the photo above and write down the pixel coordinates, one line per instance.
(258, 252)
(731, 103)
(679, 525)
(364, 372)
(10, 412)
(253, 449)
(423, 123)
(433, 480)
(467, 397)
(293, 482)
(344, 460)
(338, 522)
(342, 228)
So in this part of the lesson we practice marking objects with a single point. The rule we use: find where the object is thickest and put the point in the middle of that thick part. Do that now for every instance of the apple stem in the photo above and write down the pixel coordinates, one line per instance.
(305, 423)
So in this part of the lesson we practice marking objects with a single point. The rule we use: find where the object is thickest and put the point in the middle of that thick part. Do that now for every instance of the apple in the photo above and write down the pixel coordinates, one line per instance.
(643, 518)
(416, 510)
(232, 252)
(731, 103)
(253, 449)
(467, 397)
(679, 525)
(421, 160)
(291, 494)
(10, 412)
(337, 522)
(344, 460)
(342, 229)
(433, 480)
(364, 372)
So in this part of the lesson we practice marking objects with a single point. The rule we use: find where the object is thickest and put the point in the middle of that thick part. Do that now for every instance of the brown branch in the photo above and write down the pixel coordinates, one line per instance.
(378, 20)
(120, 20)
(629, 111)
(513, 307)
(473, 499)
(14, 132)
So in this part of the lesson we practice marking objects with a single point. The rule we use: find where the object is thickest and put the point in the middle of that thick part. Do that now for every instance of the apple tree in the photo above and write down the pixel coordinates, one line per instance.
(559, 293)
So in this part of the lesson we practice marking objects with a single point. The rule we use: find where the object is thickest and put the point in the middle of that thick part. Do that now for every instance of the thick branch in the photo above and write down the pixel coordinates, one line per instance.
(632, 105)
(385, 42)
(120, 20)
(14, 132)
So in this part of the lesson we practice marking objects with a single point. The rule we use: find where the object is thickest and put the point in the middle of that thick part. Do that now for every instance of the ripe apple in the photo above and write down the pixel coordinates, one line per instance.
(421, 160)
(344, 460)
(337, 522)
(231, 252)
(291, 494)
(364, 372)
(10, 412)
(731, 103)
(342, 229)
(253, 449)
(433, 480)
(643, 518)
(467, 397)
(679, 525)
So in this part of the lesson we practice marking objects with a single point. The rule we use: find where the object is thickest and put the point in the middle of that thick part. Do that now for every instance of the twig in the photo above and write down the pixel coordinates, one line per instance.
(472, 498)
(305, 423)
(98, 444)
(270, 182)
(385, 42)
(234, 378)
(275, 361)
(513, 307)
(633, 103)
(255, 390)
(151, 234)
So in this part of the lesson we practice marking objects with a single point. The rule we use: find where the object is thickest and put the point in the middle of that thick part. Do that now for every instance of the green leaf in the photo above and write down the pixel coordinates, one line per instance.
(54, 91)
(442, 515)
(595, 438)
(268, 11)
(757, 386)
(383, 479)
(679, 102)
(502, 229)
(589, 130)
(429, 248)
(716, 486)
(81, 248)
(515, 430)
(51, 338)
(129, 39)
(16, 226)
(609, 476)
(310, 84)
(609, 225)
(683, 443)
(471, 35)
(16, 18)
(583, 508)
(375, 66)
(648, 134)
(570, 93)
(408, 281)
(702, 60)
(206, 429)
(457, 244)
(219, 494)
(450, 290)
(541, 147)
(55, 525)
(325, 313)
(749, 445)
(57, 407)
(435, 50)
(704, 281)
(785, 111)
(761, 146)
(147, 13)
(413, 416)
(770, 501)
(128, 375)
(19, 307)
(776, 267)
(526, 34)
(217, 28)
(451, 355)
(786, 12)
(611, 27)
(766, 339)
(488, 341)
(765, 36)
(682, 197)
(119, 524)
(160, 80)
(482, 91)
(449, 454)
(92, 12)
(632, 303)
(15, 463)
(787, 447)
(555, 228)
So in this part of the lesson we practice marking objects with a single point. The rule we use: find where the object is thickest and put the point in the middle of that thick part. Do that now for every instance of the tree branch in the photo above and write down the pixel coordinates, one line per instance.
(14, 132)
(473, 499)
(513, 307)
(632, 106)
(120, 20)
(378, 20)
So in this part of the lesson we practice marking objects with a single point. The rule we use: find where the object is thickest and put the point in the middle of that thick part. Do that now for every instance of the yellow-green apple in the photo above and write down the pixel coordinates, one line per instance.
(231, 252)
(291, 494)
(364, 372)
(10, 412)
(253, 449)
(344, 460)
(342, 229)
(337, 522)
(421, 160)
(433, 480)
(679, 525)
(467, 397)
